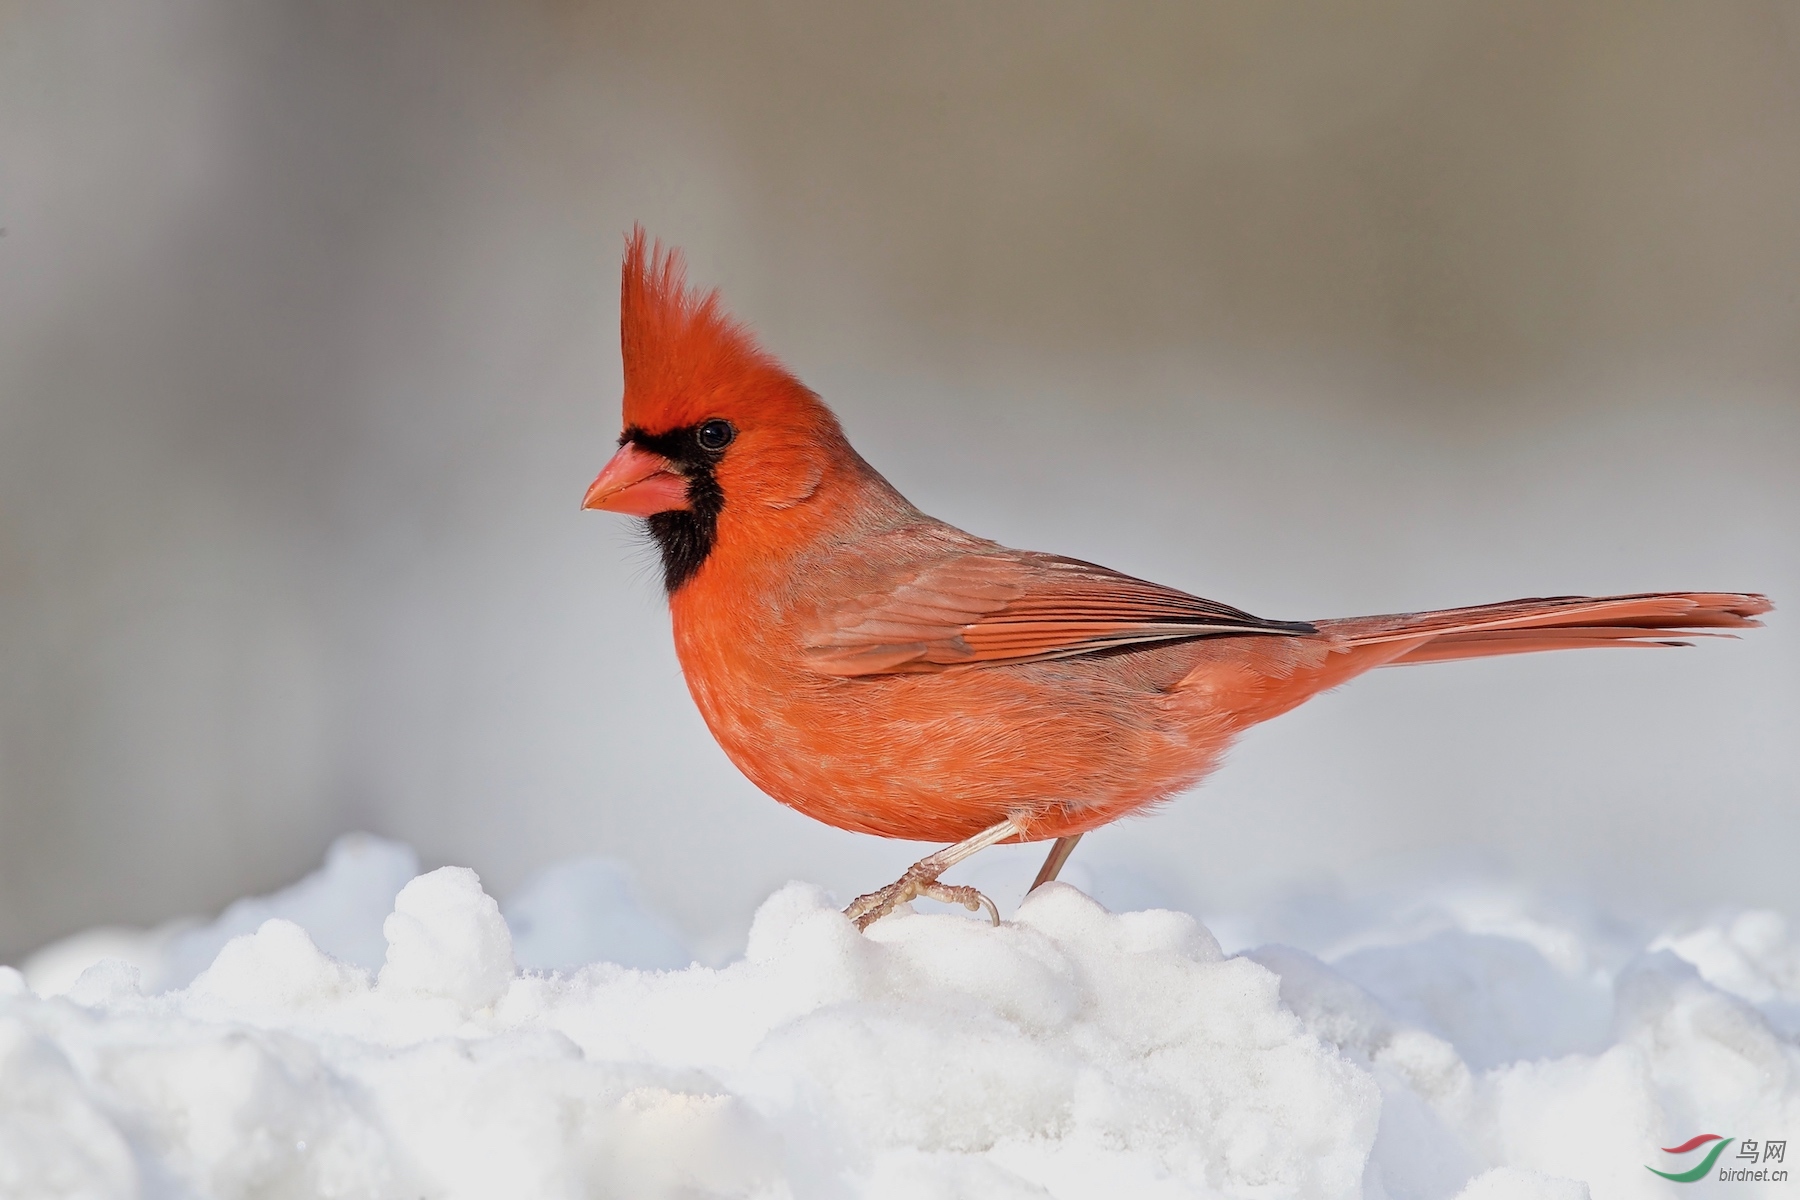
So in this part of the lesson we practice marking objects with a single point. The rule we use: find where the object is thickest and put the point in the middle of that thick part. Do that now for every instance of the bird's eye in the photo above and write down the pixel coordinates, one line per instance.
(715, 435)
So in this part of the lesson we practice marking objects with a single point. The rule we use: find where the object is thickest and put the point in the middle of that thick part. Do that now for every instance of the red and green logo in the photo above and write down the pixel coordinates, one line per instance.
(1748, 1165)
(1688, 1147)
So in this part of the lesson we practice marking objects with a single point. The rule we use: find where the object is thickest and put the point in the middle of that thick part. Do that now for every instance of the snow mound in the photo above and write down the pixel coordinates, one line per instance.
(570, 914)
(587, 911)
(1071, 1052)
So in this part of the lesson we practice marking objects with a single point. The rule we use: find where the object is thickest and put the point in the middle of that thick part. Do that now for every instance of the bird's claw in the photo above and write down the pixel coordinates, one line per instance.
(865, 910)
(968, 897)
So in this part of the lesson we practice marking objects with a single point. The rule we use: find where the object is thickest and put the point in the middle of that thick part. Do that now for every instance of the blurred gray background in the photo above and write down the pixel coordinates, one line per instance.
(308, 351)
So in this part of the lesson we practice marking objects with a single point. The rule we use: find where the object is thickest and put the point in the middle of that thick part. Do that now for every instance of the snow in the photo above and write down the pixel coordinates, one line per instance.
(376, 1032)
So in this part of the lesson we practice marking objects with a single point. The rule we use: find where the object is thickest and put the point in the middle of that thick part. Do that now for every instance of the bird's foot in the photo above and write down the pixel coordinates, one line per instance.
(920, 880)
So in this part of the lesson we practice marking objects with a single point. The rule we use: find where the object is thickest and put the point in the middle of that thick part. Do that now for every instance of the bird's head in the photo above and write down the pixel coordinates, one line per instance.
(711, 421)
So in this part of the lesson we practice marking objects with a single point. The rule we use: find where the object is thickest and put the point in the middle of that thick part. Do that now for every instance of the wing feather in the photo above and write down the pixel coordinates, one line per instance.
(1009, 607)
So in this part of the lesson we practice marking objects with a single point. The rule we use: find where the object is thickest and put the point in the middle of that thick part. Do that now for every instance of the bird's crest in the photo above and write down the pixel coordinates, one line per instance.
(686, 359)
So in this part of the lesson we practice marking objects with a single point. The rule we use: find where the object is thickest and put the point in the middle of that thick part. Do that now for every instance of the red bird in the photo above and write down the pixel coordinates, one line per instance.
(887, 673)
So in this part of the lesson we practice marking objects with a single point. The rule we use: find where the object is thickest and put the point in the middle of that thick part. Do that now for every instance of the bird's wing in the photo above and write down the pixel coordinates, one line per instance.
(1011, 607)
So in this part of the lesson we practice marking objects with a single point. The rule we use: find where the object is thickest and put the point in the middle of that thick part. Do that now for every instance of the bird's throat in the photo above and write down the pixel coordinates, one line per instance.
(684, 537)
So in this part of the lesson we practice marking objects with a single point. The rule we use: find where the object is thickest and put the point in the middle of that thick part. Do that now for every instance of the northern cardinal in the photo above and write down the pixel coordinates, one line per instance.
(887, 673)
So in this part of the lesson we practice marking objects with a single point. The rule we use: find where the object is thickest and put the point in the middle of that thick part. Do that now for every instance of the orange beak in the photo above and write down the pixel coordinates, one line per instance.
(637, 483)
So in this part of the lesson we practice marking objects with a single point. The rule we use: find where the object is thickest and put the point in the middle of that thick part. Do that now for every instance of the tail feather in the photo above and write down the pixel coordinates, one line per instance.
(1552, 623)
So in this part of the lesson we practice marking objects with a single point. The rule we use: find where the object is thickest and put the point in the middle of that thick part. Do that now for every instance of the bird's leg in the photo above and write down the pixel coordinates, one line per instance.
(921, 879)
(1059, 854)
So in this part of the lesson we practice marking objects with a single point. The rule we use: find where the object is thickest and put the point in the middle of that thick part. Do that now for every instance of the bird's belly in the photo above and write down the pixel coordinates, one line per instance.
(1067, 745)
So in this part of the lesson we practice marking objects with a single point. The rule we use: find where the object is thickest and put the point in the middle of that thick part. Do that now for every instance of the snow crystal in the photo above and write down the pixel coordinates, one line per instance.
(1481, 1048)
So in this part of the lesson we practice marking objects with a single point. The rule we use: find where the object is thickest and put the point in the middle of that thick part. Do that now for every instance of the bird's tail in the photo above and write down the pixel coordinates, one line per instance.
(1549, 623)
